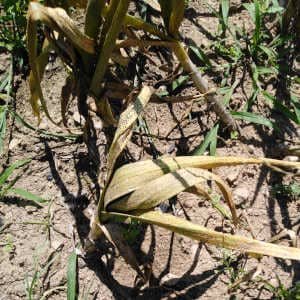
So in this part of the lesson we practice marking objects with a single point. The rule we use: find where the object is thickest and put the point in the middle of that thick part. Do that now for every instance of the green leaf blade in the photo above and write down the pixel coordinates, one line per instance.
(72, 276)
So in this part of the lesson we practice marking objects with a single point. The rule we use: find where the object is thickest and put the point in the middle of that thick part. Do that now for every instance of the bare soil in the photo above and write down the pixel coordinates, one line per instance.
(64, 172)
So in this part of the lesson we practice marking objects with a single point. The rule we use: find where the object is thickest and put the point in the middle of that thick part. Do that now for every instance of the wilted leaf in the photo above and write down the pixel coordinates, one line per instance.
(164, 187)
(126, 122)
(57, 20)
(133, 176)
(113, 233)
(66, 93)
(219, 239)
(35, 77)
(105, 111)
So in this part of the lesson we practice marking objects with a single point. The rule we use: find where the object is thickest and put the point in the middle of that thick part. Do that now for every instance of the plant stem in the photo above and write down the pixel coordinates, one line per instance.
(91, 28)
(202, 85)
(108, 46)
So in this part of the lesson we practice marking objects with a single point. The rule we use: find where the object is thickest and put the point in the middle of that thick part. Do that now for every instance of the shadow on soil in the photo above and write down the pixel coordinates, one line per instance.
(102, 261)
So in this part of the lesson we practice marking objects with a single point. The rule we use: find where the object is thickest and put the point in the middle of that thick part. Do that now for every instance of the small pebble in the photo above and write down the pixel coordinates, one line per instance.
(241, 193)
(49, 177)
(188, 203)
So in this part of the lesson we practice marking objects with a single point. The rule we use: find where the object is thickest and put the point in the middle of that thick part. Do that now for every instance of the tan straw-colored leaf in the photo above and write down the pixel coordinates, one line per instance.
(126, 123)
(58, 20)
(219, 239)
(164, 187)
(133, 176)
(123, 134)
(35, 77)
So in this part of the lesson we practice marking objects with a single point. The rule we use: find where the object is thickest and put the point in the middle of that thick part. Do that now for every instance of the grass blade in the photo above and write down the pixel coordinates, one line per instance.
(209, 140)
(27, 195)
(253, 118)
(8, 171)
(3, 112)
(224, 14)
(201, 56)
(282, 108)
(72, 276)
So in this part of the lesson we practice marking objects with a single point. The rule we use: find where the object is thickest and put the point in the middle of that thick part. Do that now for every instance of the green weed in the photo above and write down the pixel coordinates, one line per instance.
(281, 292)
(288, 191)
(7, 186)
(13, 28)
(258, 52)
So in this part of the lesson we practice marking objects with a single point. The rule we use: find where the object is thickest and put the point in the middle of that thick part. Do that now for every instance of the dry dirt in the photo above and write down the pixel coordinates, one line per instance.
(63, 172)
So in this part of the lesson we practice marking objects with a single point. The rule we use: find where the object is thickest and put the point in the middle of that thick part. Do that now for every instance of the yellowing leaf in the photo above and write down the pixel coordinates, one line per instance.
(126, 122)
(172, 12)
(124, 132)
(58, 20)
(164, 187)
(219, 239)
(133, 176)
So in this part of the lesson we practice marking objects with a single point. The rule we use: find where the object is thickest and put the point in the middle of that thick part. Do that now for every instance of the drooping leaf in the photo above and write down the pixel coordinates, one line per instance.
(114, 234)
(133, 176)
(35, 78)
(126, 123)
(164, 187)
(105, 111)
(66, 93)
(124, 132)
(57, 20)
(219, 239)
